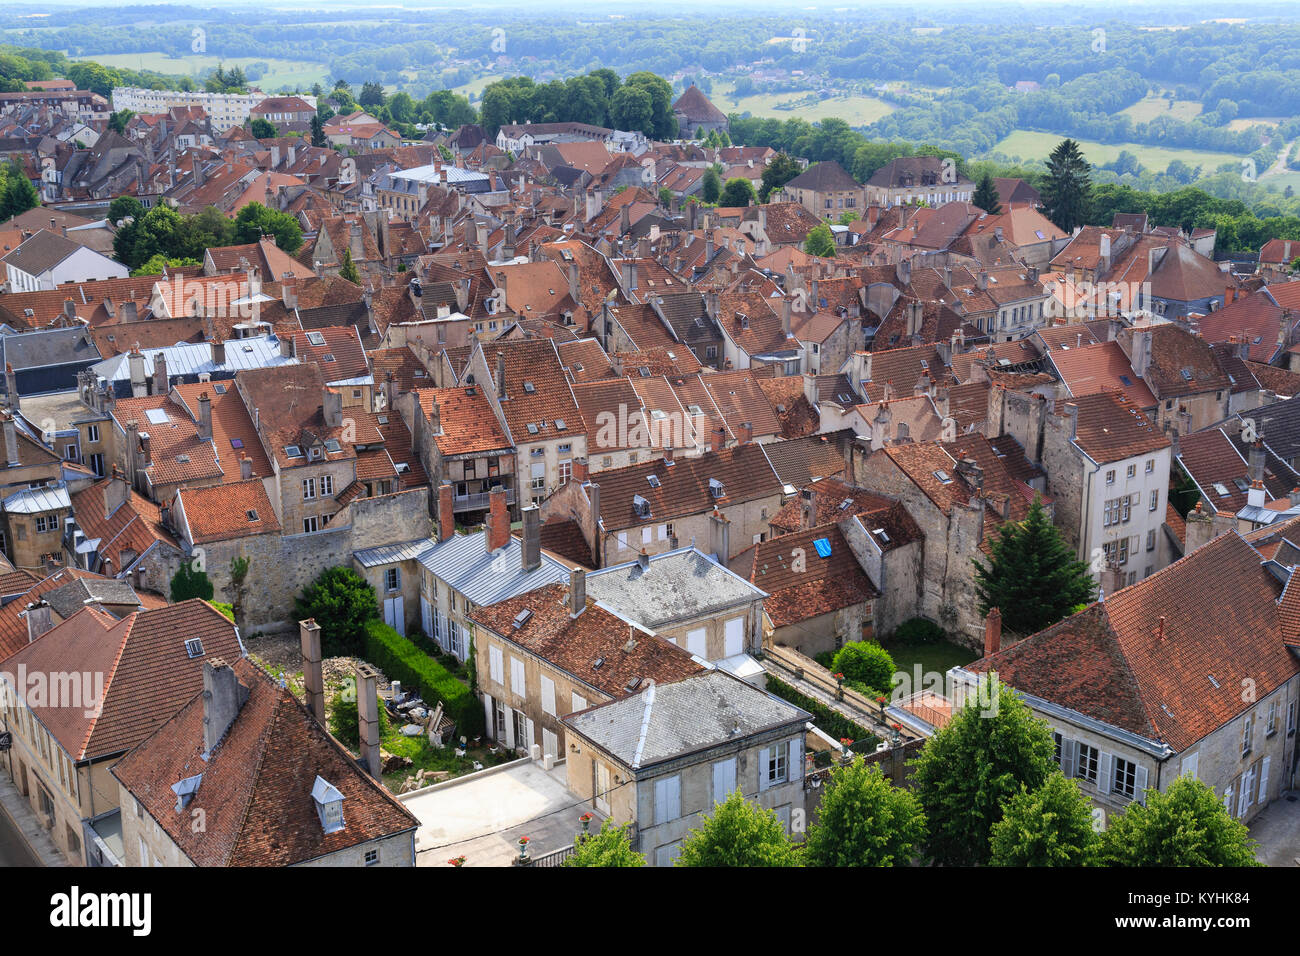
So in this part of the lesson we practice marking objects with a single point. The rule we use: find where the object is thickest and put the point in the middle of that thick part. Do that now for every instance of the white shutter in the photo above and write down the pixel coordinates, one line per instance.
(1069, 756)
(1105, 762)
(1227, 799)
(579, 703)
(764, 756)
(531, 730)
(496, 665)
(734, 637)
(796, 759)
(510, 728)
(724, 779)
(1140, 783)
(697, 642)
(1263, 782)
(550, 743)
(548, 696)
(668, 798)
(487, 712)
(517, 676)
(1191, 763)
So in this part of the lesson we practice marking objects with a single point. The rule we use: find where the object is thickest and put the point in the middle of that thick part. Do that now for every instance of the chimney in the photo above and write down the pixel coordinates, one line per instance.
(11, 442)
(115, 492)
(498, 520)
(720, 535)
(746, 433)
(313, 679)
(577, 591)
(993, 632)
(205, 417)
(160, 381)
(135, 363)
(786, 307)
(717, 439)
(629, 273)
(38, 620)
(368, 717)
(501, 374)
(11, 387)
(223, 695)
(580, 470)
(1255, 494)
(808, 511)
(245, 468)
(218, 352)
(289, 291)
(446, 514)
(593, 497)
(332, 407)
(643, 560)
(530, 555)
(1255, 462)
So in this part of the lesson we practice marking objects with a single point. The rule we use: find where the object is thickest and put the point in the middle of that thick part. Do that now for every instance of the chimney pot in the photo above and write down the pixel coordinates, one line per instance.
(992, 632)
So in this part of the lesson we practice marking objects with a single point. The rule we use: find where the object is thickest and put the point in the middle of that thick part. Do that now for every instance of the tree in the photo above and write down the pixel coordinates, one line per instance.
(971, 767)
(1068, 188)
(19, 194)
(820, 241)
(318, 131)
(1032, 577)
(867, 664)
(117, 120)
(156, 263)
(342, 603)
(986, 196)
(262, 128)
(124, 206)
(348, 268)
(256, 220)
(1050, 826)
(777, 173)
(608, 847)
(1187, 825)
(739, 191)
(372, 95)
(711, 186)
(864, 820)
(237, 590)
(738, 833)
(190, 582)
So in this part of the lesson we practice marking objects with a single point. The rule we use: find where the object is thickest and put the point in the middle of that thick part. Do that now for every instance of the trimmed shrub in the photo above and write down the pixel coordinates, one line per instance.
(835, 724)
(919, 630)
(865, 664)
(400, 659)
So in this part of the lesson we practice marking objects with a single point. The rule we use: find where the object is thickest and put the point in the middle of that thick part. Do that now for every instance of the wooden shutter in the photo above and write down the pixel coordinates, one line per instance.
(487, 711)
(668, 798)
(517, 675)
(697, 642)
(548, 696)
(1263, 782)
(734, 637)
(1105, 763)
(510, 728)
(579, 703)
(1140, 783)
(1069, 756)
(724, 779)
(531, 730)
(550, 743)
(764, 756)
(796, 759)
(1191, 763)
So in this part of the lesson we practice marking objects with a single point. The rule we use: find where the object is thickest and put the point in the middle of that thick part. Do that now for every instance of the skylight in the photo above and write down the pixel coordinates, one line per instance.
(236, 443)
(315, 338)
(332, 446)
(293, 451)
(156, 416)
(251, 514)
(194, 648)
(653, 480)
(522, 618)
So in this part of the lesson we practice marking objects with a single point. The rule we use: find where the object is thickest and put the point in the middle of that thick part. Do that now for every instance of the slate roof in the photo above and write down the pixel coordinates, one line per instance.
(43, 251)
(665, 721)
(824, 177)
(484, 577)
(678, 585)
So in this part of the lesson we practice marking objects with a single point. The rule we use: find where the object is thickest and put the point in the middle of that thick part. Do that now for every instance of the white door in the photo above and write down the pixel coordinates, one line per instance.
(600, 776)
(697, 643)
(735, 637)
(394, 615)
(550, 743)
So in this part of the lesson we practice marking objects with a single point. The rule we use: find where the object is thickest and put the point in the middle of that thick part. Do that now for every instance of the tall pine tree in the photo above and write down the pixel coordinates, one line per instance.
(986, 196)
(1069, 186)
(1032, 577)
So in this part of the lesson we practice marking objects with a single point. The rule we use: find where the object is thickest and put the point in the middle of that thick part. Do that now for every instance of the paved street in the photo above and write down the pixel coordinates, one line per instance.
(1278, 831)
(13, 849)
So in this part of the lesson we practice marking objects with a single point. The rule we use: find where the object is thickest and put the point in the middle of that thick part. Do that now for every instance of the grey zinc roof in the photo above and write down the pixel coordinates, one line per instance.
(262, 351)
(679, 585)
(670, 720)
(49, 347)
(392, 553)
(34, 501)
(72, 597)
(464, 562)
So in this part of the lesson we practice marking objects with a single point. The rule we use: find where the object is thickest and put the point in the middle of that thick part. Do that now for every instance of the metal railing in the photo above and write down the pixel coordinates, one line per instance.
(554, 858)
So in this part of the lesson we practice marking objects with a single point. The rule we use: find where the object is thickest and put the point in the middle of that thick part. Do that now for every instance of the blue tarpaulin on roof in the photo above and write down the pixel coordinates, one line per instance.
(823, 546)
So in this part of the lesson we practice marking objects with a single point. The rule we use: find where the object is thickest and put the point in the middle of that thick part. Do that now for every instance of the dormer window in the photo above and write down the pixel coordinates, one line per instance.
(640, 507)
(314, 453)
(715, 488)
(329, 805)
(185, 790)
(653, 480)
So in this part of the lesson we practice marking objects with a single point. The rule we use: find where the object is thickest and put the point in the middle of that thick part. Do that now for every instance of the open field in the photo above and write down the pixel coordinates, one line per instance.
(1149, 107)
(856, 110)
(290, 73)
(1029, 144)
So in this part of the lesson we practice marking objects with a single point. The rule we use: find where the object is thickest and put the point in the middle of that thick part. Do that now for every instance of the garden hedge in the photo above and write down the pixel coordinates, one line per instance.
(401, 660)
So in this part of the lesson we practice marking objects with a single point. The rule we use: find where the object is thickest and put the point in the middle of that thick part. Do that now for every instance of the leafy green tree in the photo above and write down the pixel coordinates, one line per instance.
(190, 582)
(632, 108)
(820, 241)
(866, 664)
(864, 820)
(348, 268)
(1032, 577)
(154, 233)
(969, 769)
(665, 197)
(256, 220)
(607, 847)
(711, 186)
(777, 173)
(124, 206)
(986, 196)
(1067, 191)
(341, 602)
(739, 191)
(1187, 825)
(118, 120)
(262, 128)
(318, 137)
(372, 95)
(1050, 826)
(156, 264)
(19, 194)
(738, 833)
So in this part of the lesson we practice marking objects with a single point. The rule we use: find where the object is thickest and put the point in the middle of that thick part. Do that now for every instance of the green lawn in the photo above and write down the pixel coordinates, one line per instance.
(290, 73)
(1149, 107)
(856, 110)
(1027, 144)
(934, 658)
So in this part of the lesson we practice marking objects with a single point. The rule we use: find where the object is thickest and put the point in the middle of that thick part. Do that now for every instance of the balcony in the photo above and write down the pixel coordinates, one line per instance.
(478, 502)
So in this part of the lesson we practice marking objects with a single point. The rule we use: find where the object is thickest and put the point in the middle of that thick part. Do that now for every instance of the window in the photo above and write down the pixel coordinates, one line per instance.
(310, 525)
(668, 798)
(1151, 465)
(548, 696)
(1110, 477)
(1132, 471)
(1290, 718)
(44, 524)
(97, 465)
(724, 779)
(711, 351)
(1245, 736)
(778, 757)
(566, 472)
(372, 857)
(1155, 500)
(579, 703)
(1087, 767)
(326, 485)
(496, 665)
(308, 489)
(1151, 540)
(517, 676)
(92, 434)
(1271, 727)
(1057, 741)
(194, 648)
(393, 579)
(1125, 778)
(539, 476)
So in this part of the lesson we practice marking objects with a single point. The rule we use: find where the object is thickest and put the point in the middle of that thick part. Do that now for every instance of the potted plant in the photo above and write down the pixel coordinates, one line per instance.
(585, 820)
(523, 849)
(457, 861)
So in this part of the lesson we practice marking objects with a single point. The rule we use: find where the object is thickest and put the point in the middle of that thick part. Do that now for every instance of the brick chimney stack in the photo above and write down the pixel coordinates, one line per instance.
(223, 696)
(313, 679)
(577, 591)
(446, 515)
(498, 522)
(205, 417)
(992, 632)
(368, 717)
(530, 555)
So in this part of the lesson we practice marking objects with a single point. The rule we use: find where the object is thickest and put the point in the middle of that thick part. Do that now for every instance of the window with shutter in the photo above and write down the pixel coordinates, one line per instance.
(517, 676)
(579, 703)
(724, 779)
(548, 696)
(1191, 763)
(1105, 771)
(668, 798)
(496, 665)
